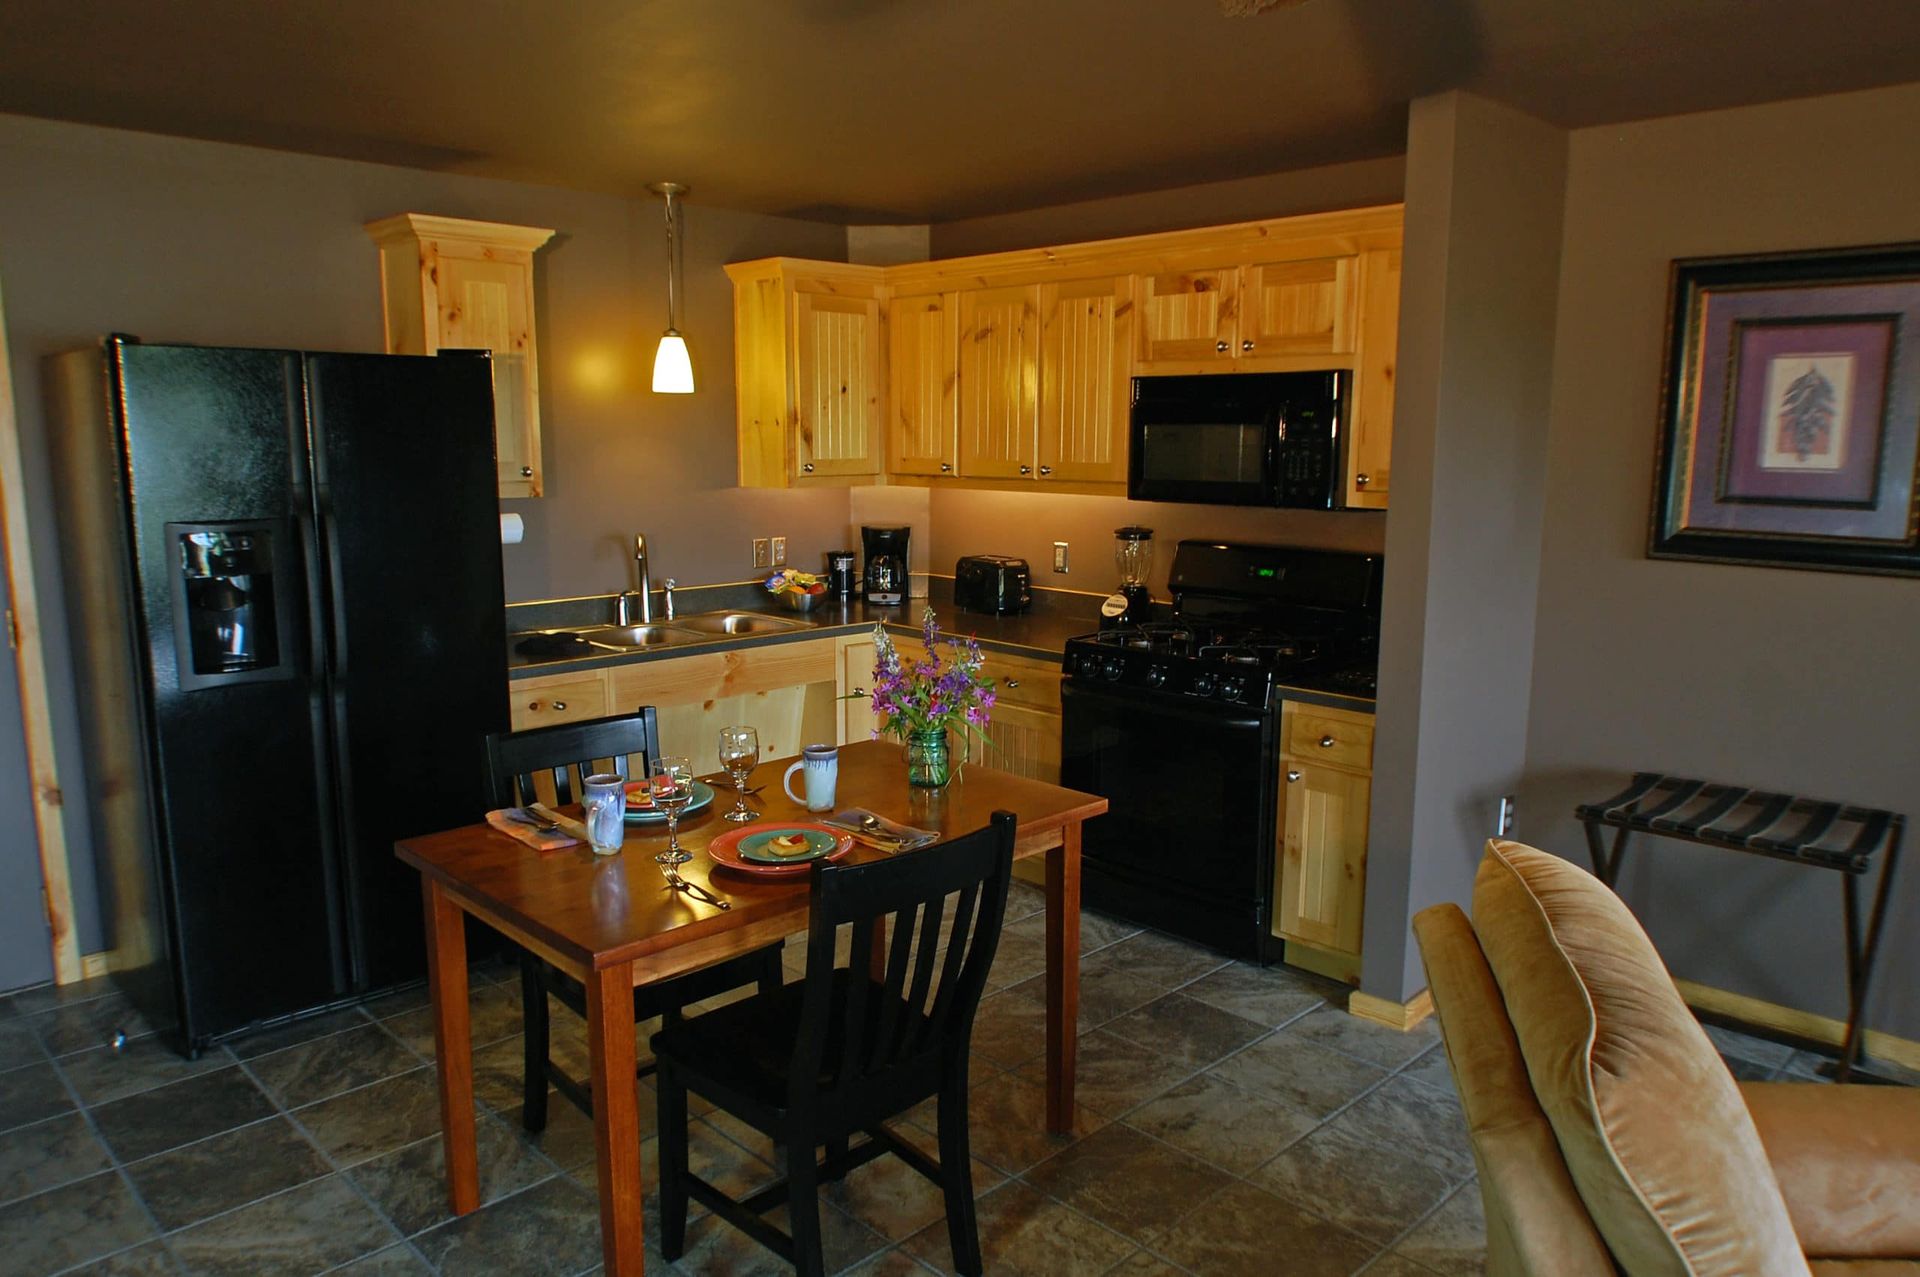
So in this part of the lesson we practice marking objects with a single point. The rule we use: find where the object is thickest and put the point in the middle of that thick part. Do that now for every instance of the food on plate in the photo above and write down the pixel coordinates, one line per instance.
(639, 794)
(792, 844)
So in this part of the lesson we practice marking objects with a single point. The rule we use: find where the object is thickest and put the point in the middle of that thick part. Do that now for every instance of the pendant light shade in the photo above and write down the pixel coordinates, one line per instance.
(672, 370)
(672, 366)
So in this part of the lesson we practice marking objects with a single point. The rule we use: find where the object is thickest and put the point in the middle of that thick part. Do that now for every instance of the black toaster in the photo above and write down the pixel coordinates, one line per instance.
(992, 583)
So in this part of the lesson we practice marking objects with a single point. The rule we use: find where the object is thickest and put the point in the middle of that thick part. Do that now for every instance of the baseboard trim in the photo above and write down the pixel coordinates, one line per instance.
(1801, 1024)
(92, 965)
(1395, 1015)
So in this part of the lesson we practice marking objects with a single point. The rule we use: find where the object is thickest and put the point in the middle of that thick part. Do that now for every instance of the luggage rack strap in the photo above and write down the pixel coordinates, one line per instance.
(1700, 811)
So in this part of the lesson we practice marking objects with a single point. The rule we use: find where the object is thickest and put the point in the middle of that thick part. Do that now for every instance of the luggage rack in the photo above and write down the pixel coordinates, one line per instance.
(1808, 831)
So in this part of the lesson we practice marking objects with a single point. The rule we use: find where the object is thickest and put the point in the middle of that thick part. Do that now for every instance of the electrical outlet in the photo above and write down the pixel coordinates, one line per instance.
(1060, 557)
(762, 553)
(1505, 827)
(779, 552)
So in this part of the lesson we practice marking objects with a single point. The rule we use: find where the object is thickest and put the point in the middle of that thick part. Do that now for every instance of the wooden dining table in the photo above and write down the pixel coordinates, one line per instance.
(611, 923)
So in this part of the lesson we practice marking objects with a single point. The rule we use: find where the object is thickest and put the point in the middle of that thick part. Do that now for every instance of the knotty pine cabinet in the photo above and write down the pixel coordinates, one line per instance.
(1014, 369)
(451, 284)
(810, 376)
(1320, 870)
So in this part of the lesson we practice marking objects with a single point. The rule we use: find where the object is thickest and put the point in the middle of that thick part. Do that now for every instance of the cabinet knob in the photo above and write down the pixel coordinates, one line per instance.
(1326, 742)
(1046, 470)
(1222, 345)
(806, 467)
(1026, 469)
(556, 704)
(1013, 682)
(946, 467)
(1362, 480)
(1293, 775)
(526, 472)
(1247, 344)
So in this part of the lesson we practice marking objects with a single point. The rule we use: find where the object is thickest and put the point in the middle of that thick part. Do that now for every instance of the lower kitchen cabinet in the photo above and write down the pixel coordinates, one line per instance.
(785, 691)
(1320, 871)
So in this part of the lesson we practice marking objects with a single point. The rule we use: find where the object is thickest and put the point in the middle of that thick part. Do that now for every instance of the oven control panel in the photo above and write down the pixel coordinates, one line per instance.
(1204, 680)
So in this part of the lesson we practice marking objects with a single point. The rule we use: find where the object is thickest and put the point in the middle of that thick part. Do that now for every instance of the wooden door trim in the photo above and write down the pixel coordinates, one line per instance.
(29, 656)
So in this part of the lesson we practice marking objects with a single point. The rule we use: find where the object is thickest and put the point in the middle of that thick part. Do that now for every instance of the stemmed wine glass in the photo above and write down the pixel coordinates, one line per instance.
(671, 782)
(739, 755)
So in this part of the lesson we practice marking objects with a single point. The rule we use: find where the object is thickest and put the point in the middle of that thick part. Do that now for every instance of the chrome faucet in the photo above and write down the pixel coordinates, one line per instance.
(635, 607)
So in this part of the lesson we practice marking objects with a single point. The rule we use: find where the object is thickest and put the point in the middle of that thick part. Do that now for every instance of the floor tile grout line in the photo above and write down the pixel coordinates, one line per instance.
(115, 1163)
(335, 1168)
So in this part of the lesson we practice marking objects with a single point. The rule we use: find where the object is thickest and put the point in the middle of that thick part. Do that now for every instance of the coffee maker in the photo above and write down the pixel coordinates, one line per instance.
(885, 580)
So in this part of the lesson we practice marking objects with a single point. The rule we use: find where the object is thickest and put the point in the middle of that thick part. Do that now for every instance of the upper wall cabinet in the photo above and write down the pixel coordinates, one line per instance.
(450, 284)
(809, 372)
(1016, 368)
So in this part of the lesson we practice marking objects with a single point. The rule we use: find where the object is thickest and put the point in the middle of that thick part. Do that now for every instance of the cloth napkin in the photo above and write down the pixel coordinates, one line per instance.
(551, 840)
(910, 837)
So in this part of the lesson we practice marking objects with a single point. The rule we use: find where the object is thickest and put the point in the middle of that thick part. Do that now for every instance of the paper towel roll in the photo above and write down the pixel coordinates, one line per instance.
(511, 529)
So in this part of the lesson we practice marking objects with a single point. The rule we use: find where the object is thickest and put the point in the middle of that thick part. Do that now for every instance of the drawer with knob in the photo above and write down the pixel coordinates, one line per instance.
(1336, 740)
(541, 702)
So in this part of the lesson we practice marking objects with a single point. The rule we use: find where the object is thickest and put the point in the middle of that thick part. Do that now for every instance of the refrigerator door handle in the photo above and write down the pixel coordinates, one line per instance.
(336, 581)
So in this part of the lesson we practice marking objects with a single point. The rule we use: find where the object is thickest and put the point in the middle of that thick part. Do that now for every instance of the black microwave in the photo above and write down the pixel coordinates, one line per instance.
(1264, 438)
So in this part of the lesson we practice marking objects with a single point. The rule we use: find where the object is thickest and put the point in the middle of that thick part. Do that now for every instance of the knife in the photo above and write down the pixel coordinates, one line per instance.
(879, 842)
(567, 824)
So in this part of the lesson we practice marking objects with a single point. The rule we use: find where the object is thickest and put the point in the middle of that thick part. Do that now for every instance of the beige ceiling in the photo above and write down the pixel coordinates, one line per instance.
(904, 110)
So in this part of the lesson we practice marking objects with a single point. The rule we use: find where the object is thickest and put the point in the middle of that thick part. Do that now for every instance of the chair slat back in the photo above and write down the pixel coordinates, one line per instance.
(942, 909)
(547, 764)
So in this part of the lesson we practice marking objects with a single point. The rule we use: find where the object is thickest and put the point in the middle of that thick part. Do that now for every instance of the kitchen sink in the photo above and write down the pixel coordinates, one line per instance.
(638, 635)
(738, 623)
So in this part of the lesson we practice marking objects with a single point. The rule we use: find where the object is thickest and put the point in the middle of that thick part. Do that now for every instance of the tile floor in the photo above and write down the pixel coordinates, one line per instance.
(1230, 1120)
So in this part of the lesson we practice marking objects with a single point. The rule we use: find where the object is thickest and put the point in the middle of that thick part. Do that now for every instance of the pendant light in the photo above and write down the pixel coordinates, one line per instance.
(672, 369)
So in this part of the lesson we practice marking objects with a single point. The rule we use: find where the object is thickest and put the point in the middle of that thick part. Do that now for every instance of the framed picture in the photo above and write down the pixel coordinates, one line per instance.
(1790, 420)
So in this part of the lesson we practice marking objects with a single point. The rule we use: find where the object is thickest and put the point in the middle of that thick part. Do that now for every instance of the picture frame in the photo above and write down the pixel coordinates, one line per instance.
(1790, 412)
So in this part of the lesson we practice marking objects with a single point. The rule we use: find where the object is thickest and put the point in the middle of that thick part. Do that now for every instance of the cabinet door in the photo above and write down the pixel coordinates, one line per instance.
(922, 371)
(486, 303)
(1086, 375)
(858, 722)
(1296, 308)
(999, 372)
(1188, 317)
(1023, 741)
(837, 384)
(1322, 873)
(1370, 418)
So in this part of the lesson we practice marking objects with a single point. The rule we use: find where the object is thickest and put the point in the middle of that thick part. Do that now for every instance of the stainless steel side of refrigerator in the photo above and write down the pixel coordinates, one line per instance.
(284, 592)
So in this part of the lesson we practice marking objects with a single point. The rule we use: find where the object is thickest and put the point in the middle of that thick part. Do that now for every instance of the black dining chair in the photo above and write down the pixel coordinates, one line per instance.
(840, 1052)
(566, 754)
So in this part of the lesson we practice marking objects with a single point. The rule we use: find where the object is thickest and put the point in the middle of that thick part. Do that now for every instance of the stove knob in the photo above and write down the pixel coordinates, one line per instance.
(1156, 676)
(1112, 670)
(1231, 689)
(1203, 684)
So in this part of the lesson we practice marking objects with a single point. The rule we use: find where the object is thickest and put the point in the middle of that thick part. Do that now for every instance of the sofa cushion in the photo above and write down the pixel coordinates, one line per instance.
(1652, 1127)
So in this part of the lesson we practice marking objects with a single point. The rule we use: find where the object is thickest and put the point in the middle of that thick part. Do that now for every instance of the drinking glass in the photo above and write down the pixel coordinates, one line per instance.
(739, 755)
(671, 781)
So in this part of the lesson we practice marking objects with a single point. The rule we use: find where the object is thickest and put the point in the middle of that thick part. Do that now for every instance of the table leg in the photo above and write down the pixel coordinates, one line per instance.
(452, 1045)
(616, 1119)
(1063, 977)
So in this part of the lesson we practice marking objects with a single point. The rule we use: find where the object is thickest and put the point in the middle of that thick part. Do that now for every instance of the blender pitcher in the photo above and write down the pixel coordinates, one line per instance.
(1130, 604)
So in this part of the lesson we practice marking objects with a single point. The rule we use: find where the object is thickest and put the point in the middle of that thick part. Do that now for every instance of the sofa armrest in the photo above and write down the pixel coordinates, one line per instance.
(1848, 1162)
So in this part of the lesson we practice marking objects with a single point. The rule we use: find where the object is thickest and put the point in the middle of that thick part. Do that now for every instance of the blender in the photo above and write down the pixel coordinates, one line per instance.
(1131, 604)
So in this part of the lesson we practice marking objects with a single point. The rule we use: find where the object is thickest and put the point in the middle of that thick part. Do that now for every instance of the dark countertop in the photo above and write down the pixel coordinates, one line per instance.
(1039, 634)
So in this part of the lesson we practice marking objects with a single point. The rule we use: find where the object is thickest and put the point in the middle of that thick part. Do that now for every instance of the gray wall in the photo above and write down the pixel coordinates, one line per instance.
(174, 240)
(1763, 676)
(1484, 187)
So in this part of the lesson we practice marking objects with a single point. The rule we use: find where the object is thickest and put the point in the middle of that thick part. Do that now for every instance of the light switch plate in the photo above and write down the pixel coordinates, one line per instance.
(779, 552)
(1060, 557)
(1506, 818)
(762, 554)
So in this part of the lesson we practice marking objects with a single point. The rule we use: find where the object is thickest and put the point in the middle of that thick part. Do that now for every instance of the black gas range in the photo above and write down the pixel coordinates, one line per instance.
(1176, 724)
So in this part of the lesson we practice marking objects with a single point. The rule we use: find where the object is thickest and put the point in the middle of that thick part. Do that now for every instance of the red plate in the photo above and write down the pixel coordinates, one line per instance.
(725, 849)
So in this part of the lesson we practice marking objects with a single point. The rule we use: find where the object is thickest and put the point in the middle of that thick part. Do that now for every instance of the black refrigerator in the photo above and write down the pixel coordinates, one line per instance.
(284, 593)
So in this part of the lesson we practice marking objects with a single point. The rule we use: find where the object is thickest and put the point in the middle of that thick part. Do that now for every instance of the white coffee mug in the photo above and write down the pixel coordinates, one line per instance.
(822, 766)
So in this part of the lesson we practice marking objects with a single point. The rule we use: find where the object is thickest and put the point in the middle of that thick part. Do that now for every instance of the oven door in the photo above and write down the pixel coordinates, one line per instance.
(1186, 844)
(1211, 451)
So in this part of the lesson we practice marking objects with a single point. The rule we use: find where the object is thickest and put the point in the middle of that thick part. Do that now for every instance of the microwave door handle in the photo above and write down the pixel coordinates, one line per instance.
(1276, 435)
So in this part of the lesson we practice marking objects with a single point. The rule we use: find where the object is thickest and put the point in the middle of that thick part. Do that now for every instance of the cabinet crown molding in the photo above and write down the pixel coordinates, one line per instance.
(429, 226)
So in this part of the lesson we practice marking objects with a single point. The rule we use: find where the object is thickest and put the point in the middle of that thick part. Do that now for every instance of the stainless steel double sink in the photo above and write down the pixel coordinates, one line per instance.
(702, 627)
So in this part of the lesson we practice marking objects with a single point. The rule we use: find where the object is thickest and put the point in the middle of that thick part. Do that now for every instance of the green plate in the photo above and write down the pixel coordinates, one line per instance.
(702, 799)
(754, 846)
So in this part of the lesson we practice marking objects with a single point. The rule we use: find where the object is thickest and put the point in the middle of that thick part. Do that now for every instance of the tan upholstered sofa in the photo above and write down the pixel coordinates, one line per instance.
(1610, 1136)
